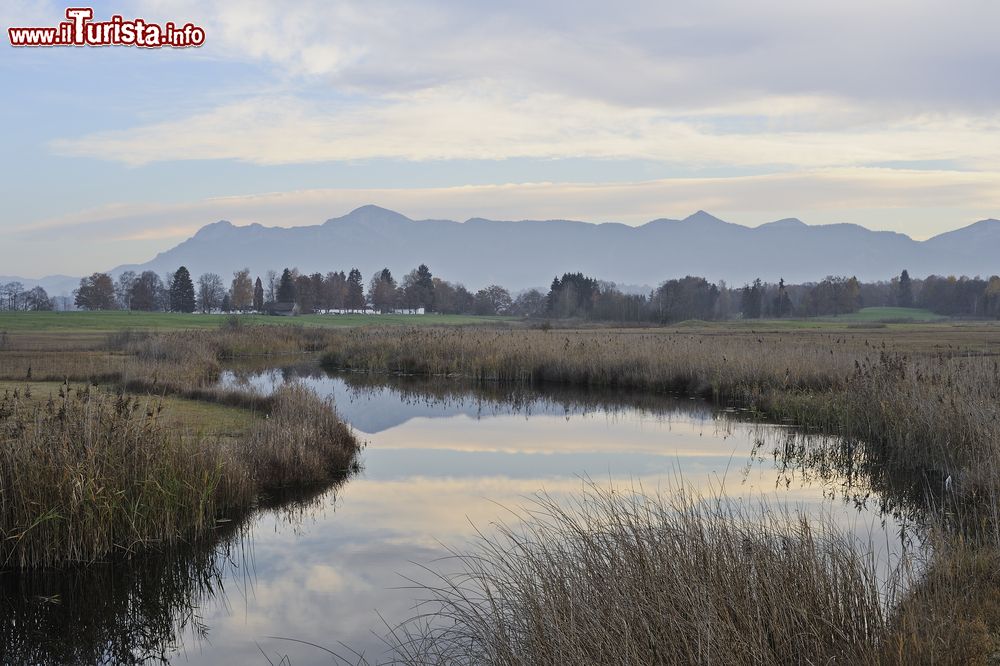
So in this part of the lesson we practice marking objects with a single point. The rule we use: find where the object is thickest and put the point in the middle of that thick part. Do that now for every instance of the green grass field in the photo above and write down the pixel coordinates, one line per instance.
(889, 315)
(192, 416)
(897, 317)
(14, 322)
(103, 322)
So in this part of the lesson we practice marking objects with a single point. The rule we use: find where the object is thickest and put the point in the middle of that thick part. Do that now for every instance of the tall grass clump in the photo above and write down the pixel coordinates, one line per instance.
(91, 474)
(624, 578)
(86, 473)
(300, 442)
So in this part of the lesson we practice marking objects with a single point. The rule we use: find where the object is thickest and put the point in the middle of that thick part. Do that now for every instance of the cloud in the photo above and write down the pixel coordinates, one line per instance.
(803, 85)
(482, 120)
(919, 52)
(29, 13)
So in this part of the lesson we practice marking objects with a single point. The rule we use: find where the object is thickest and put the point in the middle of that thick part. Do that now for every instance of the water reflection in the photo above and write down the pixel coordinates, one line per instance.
(113, 612)
(373, 404)
(860, 475)
(144, 610)
(441, 457)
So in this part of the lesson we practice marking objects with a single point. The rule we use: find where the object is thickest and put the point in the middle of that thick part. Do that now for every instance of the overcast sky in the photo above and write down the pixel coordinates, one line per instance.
(879, 113)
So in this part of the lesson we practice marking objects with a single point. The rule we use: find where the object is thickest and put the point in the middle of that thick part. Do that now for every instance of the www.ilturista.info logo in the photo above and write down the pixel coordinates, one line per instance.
(81, 30)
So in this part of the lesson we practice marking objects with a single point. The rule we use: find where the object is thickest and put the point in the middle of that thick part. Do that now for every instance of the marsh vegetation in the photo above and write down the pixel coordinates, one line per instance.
(90, 468)
(915, 413)
(902, 415)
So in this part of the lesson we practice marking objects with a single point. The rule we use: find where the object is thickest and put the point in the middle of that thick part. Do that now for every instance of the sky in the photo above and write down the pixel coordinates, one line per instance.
(883, 114)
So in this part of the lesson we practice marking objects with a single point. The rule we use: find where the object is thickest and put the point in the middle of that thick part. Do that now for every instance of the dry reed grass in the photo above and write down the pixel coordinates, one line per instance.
(623, 578)
(936, 409)
(618, 577)
(91, 474)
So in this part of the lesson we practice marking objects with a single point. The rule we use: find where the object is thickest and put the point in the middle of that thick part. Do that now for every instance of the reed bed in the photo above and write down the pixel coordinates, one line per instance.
(614, 576)
(185, 363)
(301, 442)
(938, 409)
(718, 366)
(619, 577)
(91, 474)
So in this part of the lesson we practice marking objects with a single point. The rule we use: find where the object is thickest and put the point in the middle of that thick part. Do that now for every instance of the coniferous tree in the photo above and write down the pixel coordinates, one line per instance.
(182, 292)
(905, 298)
(418, 289)
(258, 295)
(382, 291)
(753, 295)
(782, 303)
(355, 291)
(286, 287)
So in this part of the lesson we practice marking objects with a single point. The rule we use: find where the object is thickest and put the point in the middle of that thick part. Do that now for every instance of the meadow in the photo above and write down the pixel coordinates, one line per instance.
(889, 315)
(80, 321)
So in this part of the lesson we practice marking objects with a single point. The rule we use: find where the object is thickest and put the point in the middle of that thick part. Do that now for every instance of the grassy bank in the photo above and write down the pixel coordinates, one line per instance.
(88, 474)
(137, 446)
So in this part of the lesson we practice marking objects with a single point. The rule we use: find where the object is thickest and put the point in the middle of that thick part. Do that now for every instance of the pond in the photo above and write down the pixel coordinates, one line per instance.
(440, 460)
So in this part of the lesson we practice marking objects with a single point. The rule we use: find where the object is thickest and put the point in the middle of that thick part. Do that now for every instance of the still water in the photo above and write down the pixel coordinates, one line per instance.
(440, 458)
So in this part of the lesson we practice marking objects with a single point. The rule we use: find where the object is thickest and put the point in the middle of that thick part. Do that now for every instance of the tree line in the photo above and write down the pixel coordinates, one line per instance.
(289, 290)
(572, 295)
(14, 296)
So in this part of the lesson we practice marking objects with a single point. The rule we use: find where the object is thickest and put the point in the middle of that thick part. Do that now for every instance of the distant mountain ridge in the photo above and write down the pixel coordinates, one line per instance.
(54, 285)
(528, 253)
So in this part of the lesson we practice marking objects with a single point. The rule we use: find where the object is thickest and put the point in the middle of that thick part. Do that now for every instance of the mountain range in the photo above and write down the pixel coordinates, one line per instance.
(529, 253)
(54, 285)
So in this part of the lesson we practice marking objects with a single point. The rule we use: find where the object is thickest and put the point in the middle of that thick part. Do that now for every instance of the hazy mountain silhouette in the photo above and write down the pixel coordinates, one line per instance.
(54, 285)
(529, 253)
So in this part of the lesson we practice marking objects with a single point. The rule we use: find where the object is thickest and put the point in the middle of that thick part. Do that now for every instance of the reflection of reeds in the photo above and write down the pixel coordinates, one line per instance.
(109, 613)
(141, 613)
(90, 473)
